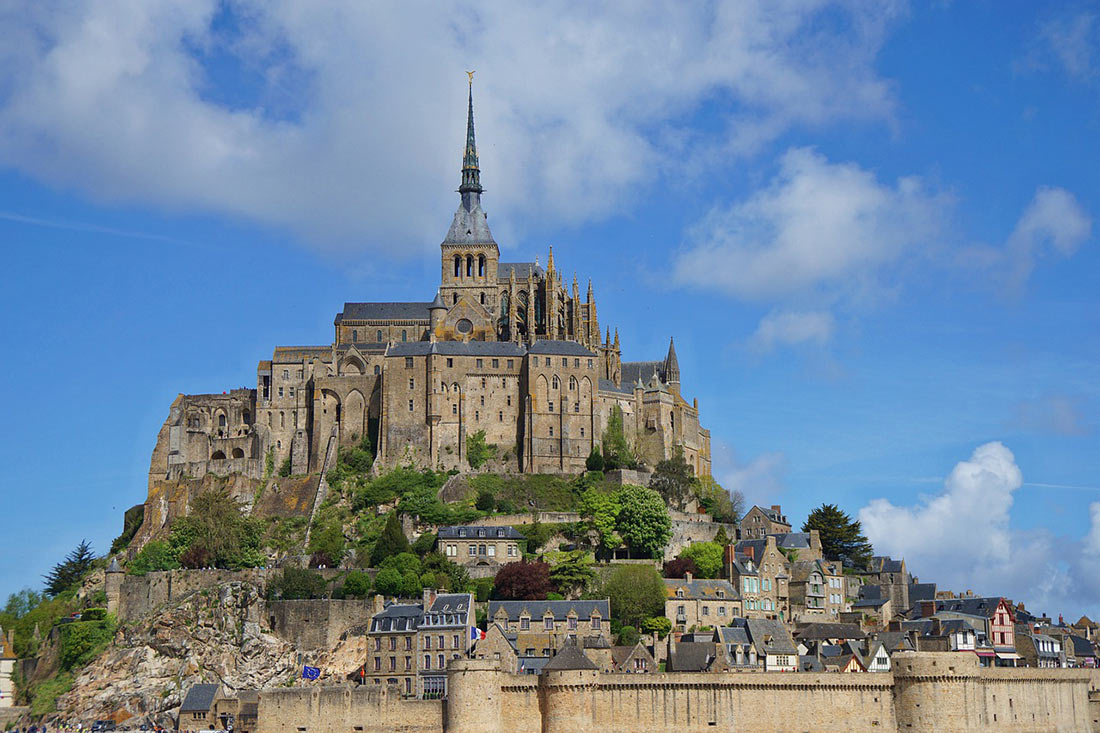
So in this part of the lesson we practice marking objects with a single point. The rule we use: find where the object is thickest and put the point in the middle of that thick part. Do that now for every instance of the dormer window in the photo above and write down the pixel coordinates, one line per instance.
(481, 533)
(500, 533)
(679, 592)
(462, 533)
(721, 594)
(548, 623)
(524, 624)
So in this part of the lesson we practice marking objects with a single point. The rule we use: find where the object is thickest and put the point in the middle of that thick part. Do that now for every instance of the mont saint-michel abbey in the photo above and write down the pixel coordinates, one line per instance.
(513, 349)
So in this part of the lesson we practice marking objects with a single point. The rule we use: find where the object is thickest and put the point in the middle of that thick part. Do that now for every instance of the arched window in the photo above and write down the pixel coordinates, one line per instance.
(217, 456)
(279, 444)
(469, 265)
(556, 383)
(238, 453)
(377, 369)
(354, 335)
(454, 387)
(269, 423)
(454, 298)
(572, 383)
(221, 420)
(443, 388)
(404, 335)
(458, 266)
(481, 265)
(378, 334)
(483, 298)
(282, 420)
(246, 417)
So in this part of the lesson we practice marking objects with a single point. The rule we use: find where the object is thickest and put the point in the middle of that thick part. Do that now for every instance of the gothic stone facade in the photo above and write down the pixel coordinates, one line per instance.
(503, 347)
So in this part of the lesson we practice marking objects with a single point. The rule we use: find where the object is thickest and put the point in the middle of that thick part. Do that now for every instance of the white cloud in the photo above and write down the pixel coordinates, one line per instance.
(962, 539)
(819, 227)
(788, 328)
(1052, 221)
(1072, 40)
(344, 121)
(1057, 414)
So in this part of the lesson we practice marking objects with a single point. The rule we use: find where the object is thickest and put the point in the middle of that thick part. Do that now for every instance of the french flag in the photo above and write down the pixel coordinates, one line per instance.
(476, 634)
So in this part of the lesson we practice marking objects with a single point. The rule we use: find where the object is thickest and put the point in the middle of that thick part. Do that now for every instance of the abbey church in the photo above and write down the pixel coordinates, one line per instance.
(510, 349)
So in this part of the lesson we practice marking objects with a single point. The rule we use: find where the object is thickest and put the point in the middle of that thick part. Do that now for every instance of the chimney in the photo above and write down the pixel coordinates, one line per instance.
(927, 608)
(937, 626)
(776, 509)
(1060, 621)
(429, 596)
(688, 576)
(752, 555)
(378, 604)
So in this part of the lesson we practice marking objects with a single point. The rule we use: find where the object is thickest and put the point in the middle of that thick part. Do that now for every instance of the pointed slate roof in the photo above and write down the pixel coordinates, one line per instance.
(569, 657)
(672, 365)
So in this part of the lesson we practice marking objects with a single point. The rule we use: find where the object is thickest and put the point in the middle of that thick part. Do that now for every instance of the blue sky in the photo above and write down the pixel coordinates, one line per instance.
(870, 227)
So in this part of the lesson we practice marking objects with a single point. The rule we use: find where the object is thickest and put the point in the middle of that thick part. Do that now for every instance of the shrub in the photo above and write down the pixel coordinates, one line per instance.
(131, 523)
(616, 451)
(680, 567)
(391, 542)
(326, 540)
(643, 520)
(156, 555)
(284, 469)
(478, 451)
(522, 581)
(218, 533)
(628, 636)
(424, 544)
(506, 506)
(485, 501)
(659, 625)
(636, 593)
(357, 585)
(388, 582)
(707, 557)
(594, 462)
(484, 587)
(82, 641)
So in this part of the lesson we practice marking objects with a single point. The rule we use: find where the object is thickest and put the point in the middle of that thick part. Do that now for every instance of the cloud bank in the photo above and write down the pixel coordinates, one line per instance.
(344, 121)
(961, 539)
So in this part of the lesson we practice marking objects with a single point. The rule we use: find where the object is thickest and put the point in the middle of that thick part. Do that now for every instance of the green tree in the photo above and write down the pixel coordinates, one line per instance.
(636, 593)
(424, 544)
(721, 538)
(327, 545)
(392, 541)
(841, 536)
(601, 512)
(724, 506)
(296, 583)
(572, 574)
(478, 451)
(131, 523)
(643, 520)
(155, 555)
(485, 500)
(357, 585)
(707, 557)
(67, 573)
(594, 462)
(388, 582)
(20, 604)
(628, 636)
(673, 479)
(659, 625)
(217, 533)
(285, 468)
(446, 574)
(616, 451)
(82, 641)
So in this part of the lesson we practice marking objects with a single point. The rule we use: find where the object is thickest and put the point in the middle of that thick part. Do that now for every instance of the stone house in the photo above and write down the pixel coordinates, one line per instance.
(1084, 651)
(994, 620)
(935, 634)
(845, 663)
(691, 603)
(874, 612)
(197, 712)
(817, 590)
(759, 523)
(541, 627)
(893, 578)
(488, 546)
(772, 642)
(800, 546)
(739, 649)
(392, 648)
(248, 704)
(499, 645)
(761, 575)
(633, 660)
(827, 633)
(695, 656)
(447, 630)
(1037, 649)
(7, 667)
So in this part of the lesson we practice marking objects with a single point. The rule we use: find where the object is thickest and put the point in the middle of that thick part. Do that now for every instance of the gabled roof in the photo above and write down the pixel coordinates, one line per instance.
(200, 698)
(488, 532)
(769, 636)
(736, 635)
(691, 656)
(792, 540)
(558, 609)
(397, 617)
(870, 603)
(569, 657)
(383, 312)
(810, 664)
(449, 609)
(983, 607)
(921, 592)
(1082, 647)
(705, 589)
(895, 641)
(881, 564)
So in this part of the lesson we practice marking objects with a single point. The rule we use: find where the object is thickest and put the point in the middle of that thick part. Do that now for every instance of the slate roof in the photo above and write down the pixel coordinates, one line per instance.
(606, 385)
(383, 312)
(449, 609)
(701, 589)
(793, 540)
(691, 656)
(757, 546)
(200, 698)
(770, 636)
(632, 371)
(921, 592)
(569, 657)
(842, 661)
(522, 269)
(880, 564)
(619, 654)
(397, 617)
(870, 591)
(470, 226)
(895, 641)
(810, 664)
(456, 348)
(561, 348)
(465, 532)
(526, 664)
(1082, 647)
(947, 625)
(983, 607)
(733, 635)
(870, 603)
(820, 630)
(559, 609)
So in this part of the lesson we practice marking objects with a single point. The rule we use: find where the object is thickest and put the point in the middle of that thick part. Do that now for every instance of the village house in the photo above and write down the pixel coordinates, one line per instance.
(800, 545)
(632, 660)
(739, 649)
(446, 631)
(772, 643)
(935, 634)
(817, 590)
(760, 573)
(486, 546)
(392, 648)
(197, 712)
(1038, 649)
(691, 603)
(893, 578)
(992, 618)
(542, 626)
(759, 523)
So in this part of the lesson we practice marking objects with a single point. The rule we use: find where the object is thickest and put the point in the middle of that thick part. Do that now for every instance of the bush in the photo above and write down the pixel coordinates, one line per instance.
(594, 462)
(391, 542)
(484, 587)
(218, 534)
(707, 557)
(478, 451)
(555, 596)
(485, 501)
(636, 592)
(326, 540)
(506, 506)
(680, 567)
(295, 584)
(388, 582)
(284, 469)
(522, 581)
(616, 451)
(357, 585)
(659, 625)
(424, 544)
(628, 636)
(643, 520)
(156, 555)
(82, 641)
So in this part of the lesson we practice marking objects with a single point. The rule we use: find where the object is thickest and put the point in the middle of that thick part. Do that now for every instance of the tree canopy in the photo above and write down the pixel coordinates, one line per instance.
(391, 542)
(69, 571)
(601, 513)
(673, 479)
(636, 593)
(616, 451)
(643, 520)
(522, 581)
(707, 557)
(841, 536)
(573, 572)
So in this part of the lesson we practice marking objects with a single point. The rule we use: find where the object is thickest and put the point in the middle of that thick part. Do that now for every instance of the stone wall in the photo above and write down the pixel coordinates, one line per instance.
(927, 691)
(316, 624)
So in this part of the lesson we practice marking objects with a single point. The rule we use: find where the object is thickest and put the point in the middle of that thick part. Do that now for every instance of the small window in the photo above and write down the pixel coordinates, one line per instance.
(510, 361)
(564, 362)
(410, 405)
(551, 406)
(286, 374)
(496, 363)
(454, 409)
(582, 432)
(589, 363)
(354, 335)
(280, 394)
(524, 624)
(483, 382)
(412, 383)
(551, 431)
(450, 362)
(500, 416)
(548, 623)
(408, 362)
(477, 415)
(509, 400)
(404, 335)
(377, 369)
(482, 398)
(478, 363)
(378, 336)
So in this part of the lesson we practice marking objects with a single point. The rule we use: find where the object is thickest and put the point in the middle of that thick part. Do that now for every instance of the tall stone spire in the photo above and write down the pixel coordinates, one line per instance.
(672, 365)
(471, 175)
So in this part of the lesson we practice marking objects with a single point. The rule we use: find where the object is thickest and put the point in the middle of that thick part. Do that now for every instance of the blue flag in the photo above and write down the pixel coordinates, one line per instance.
(311, 673)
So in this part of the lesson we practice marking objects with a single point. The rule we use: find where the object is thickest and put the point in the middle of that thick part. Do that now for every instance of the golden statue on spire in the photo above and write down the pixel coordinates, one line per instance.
(470, 75)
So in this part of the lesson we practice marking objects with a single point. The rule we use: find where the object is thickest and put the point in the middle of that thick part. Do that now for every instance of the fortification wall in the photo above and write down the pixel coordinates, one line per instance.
(345, 709)
(316, 624)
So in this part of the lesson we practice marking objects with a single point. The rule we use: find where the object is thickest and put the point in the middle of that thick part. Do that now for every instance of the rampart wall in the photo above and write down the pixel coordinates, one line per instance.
(928, 691)
(316, 624)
